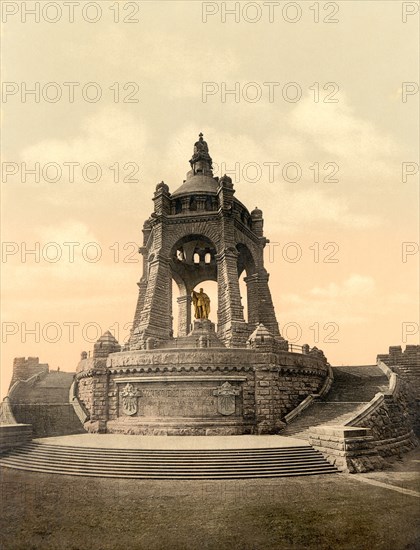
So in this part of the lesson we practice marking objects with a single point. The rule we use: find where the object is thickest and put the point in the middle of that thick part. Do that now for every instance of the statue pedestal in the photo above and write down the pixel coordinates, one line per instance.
(201, 325)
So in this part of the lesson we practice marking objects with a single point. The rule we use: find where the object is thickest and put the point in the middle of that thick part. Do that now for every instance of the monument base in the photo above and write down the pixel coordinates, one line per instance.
(202, 390)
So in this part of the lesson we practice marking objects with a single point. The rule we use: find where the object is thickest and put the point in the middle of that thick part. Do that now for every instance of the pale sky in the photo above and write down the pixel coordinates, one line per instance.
(366, 298)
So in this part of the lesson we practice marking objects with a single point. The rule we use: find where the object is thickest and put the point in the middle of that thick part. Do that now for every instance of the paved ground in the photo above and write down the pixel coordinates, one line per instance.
(167, 442)
(338, 512)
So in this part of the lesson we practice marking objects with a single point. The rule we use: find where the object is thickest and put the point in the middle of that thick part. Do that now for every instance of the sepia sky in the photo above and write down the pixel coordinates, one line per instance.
(340, 274)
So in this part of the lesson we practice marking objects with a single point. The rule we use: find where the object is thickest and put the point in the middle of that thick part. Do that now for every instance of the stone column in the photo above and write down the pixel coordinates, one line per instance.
(184, 315)
(232, 328)
(156, 317)
(260, 303)
(142, 284)
(253, 301)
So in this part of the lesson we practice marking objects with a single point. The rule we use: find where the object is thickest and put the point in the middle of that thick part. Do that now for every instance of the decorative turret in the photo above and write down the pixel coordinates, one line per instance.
(263, 339)
(162, 199)
(257, 221)
(226, 192)
(106, 344)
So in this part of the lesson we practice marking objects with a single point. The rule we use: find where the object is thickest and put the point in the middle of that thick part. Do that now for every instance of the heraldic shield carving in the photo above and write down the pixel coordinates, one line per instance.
(129, 399)
(226, 403)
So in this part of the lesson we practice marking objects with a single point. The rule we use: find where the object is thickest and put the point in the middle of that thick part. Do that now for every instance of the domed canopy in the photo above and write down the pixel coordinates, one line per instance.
(197, 183)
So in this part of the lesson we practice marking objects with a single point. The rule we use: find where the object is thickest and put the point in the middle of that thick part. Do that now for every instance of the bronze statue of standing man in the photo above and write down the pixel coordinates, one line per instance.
(201, 304)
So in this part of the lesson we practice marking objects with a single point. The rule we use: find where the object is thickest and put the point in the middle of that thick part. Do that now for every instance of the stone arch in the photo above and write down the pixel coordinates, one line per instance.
(246, 261)
(178, 233)
(247, 267)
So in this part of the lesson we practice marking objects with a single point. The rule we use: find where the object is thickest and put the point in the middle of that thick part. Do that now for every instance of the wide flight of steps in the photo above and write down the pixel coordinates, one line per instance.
(170, 464)
(45, 405)
(352, 388)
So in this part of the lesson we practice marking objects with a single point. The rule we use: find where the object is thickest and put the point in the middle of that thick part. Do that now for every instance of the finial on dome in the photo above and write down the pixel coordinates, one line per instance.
(201, 161)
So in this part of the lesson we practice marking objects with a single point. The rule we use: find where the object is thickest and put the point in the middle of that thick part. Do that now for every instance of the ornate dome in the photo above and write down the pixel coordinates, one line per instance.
(197, 183)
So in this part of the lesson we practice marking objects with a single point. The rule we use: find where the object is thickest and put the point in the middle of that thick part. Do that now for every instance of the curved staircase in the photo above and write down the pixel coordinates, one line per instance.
(45, 405)
(168, 464)
(353, 387)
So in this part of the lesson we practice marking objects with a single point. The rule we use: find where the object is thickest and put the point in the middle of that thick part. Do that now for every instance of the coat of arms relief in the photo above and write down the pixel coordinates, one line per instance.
(226, 398)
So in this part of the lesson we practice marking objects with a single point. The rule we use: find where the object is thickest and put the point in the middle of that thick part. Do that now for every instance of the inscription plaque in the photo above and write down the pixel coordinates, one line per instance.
(179, 399)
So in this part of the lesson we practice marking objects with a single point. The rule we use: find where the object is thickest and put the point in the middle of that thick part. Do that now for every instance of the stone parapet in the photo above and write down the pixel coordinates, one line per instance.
(388, 416)
(380, 429)
(6, 413)
(407, 365)
(350, 449)
(14, 435)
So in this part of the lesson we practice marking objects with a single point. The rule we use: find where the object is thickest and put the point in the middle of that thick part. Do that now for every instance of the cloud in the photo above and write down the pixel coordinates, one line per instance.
(108, 136)
(339, 131)
(336, 302)
(309, 207)
(354, 285)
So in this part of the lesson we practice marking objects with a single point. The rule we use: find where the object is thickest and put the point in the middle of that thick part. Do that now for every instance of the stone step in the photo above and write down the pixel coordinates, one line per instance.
(165, 466)
(52, 388)
(93, 461)
(101, 453)
(161, 464)
(353, 388)
(177, 476)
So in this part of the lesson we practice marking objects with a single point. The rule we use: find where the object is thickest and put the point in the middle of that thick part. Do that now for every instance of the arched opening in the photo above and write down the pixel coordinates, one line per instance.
(192, 261)
(176, 293)
(193, 203)
(244, 295)
(246, 269)
(178, 206)
(208, 205)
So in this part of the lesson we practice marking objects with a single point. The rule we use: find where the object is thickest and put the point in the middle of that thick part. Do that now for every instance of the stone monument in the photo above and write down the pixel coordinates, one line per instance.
(234, 379)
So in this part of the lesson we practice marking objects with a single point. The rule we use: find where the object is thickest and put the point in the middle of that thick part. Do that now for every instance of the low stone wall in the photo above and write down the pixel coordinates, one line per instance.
(14, 435)
(388, 417)
(381, 429)
(407, 364)
(350, 449)
(307, 402)
(6, 413)
(78, 406)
